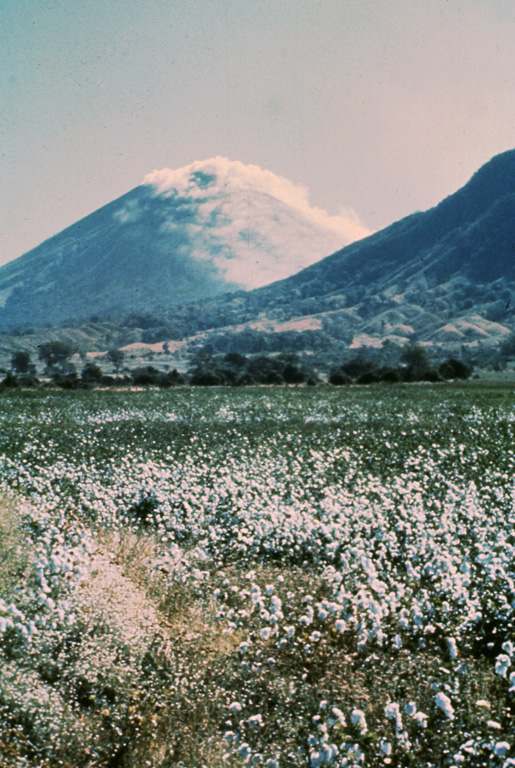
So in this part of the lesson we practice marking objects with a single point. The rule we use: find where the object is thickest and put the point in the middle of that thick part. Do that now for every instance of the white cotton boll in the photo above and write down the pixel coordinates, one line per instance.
(410, 708)
(229, 737)
(5, 624)
(421, 719)
(330, 752)
(502, 663)
(14, 611)
(444, 704)
(33, 628)
(501, 748)
(358, 719)
(512, 683)
(340, 625)
(453, 649)
(275, 604)
(393, 712)
(338, 715)
(265, 633)
(386, 748)
(418, 618)
(255, 720)
(269, 589)
(508, 647)
(235, 706)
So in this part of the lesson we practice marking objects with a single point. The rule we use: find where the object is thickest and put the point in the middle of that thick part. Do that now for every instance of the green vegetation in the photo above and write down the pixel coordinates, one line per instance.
(391, 364)
(282, 577)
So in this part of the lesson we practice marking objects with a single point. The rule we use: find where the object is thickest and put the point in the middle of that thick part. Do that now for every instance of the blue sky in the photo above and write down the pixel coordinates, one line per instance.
(383, 107)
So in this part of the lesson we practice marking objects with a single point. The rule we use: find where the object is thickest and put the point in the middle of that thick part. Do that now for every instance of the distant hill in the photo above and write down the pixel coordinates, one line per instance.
(183, 235)
(444, 277)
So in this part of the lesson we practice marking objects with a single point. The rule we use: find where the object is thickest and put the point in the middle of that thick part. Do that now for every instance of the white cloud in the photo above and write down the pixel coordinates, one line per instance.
(255, 226)
(128, 213)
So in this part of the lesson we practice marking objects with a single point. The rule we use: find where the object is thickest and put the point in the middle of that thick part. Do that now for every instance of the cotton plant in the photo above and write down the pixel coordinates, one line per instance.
(443, 703)
(393, 566)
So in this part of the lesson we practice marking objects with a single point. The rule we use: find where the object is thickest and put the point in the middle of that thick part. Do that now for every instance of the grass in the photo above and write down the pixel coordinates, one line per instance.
(210, 574)
(15, 551)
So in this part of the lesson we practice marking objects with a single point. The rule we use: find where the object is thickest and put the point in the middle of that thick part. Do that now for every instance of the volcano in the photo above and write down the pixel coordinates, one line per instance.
(183, 235)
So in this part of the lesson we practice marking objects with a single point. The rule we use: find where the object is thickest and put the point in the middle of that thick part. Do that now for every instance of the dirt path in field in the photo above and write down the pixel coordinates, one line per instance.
(120, 602)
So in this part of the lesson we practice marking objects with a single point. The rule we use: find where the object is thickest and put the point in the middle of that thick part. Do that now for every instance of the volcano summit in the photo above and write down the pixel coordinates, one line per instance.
(183, 235)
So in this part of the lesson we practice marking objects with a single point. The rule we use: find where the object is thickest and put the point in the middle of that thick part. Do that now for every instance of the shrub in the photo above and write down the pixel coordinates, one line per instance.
(338, 378)
(369, 377)
(145, 375)
(455, 369)
(391, 375)
(10, 380)
(171, 379)
(91, 373)
(204, 378)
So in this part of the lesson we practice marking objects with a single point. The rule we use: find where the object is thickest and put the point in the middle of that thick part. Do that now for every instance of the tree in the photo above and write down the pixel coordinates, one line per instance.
(507, 346)
(455, 369)
(21, 363)
(56, 356)
(418, 362)
(116, 357)
(91, 373)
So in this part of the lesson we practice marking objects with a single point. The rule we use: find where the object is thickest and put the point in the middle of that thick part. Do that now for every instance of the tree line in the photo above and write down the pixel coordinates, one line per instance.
(408, 364)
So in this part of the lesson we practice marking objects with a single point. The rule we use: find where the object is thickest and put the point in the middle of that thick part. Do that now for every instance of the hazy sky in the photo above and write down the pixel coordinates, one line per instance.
(384, 107)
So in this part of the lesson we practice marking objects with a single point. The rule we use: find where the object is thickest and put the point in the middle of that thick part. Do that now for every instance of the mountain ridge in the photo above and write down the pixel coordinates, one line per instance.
(442, 277)
(454, 212)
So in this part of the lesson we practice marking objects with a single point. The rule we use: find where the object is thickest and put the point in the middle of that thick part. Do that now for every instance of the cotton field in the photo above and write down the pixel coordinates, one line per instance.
(262, 577)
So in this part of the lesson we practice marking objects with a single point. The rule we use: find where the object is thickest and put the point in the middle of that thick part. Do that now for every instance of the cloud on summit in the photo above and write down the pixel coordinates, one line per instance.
(255, 227)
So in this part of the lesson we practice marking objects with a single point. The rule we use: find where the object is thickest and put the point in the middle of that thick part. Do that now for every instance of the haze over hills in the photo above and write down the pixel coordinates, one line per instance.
(211, 227)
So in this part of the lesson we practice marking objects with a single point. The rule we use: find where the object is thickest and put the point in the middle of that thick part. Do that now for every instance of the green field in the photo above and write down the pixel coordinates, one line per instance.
(280, 577)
